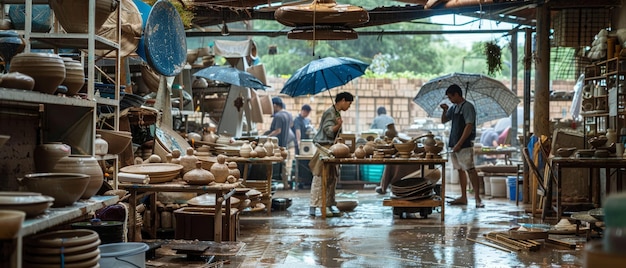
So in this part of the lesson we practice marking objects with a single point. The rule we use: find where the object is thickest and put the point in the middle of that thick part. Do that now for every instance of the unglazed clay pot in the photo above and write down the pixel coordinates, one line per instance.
(260, 150)
(339, 149)
(83, 164)
(199, 176)
(188, 161)
(65, 188)
(220, 169)
(360, 152)
(233, 170)
(47, 69)
(48, 154)
(17, 81)
(245, 149)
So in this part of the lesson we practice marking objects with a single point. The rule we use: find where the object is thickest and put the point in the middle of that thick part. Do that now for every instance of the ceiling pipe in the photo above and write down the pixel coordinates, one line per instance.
(360, 33)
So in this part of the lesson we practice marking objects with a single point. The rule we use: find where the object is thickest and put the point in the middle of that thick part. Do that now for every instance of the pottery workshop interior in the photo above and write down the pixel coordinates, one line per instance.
(318, 133)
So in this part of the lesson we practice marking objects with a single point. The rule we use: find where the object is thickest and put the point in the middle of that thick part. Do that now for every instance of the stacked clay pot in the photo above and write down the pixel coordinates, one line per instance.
(83, 164)
(47, 69)
(74, 76)
(73, 14)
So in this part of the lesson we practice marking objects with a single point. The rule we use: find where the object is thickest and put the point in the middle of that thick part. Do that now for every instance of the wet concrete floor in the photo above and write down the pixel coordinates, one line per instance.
(371, 236)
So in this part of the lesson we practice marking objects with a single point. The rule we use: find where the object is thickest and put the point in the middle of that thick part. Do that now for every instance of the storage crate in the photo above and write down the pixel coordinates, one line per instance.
(198, 223)
(372, 173)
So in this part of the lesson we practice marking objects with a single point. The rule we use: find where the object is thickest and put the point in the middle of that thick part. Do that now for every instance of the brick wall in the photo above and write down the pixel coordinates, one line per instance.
(395, 94)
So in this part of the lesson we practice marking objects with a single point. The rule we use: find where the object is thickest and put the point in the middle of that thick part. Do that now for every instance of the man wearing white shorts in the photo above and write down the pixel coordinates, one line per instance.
(461, 141)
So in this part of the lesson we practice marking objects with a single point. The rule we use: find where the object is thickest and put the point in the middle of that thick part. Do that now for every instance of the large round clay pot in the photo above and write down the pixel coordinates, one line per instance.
(47, 69)
(17, 81)
(48, 154)
(74, 76)
(199, 176)
(83, 164)
(73, 14)
(339, 149)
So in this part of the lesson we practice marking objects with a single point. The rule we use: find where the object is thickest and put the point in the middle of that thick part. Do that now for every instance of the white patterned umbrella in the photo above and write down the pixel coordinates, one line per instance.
(492, 99)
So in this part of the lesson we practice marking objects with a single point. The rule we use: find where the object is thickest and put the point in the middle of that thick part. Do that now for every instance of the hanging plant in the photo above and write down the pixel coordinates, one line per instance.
(494, 57)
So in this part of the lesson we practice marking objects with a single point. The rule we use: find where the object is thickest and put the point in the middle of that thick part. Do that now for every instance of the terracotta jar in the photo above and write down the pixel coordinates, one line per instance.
(369, 148)
(48, 154)
(83, 164)
(245, 149)
(260, 150)
(220, 169)
(199, 176)
(269, 147)
(339, 149)
(360, 152)
(188, 161)
(47, 69)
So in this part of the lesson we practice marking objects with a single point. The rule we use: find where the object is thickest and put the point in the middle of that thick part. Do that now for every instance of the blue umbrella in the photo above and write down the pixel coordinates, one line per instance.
(231, 75)
(323, 74)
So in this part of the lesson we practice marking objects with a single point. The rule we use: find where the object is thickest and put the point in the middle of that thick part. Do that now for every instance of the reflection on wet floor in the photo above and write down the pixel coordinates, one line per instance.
(371, 236)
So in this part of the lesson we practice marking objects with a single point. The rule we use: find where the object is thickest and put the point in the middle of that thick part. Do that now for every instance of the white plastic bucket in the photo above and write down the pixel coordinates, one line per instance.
(122, 255)
(498, 187)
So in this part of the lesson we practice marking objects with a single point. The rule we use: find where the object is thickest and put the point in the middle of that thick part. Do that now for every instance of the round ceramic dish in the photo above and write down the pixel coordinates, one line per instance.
(33, 205)
(63, 238)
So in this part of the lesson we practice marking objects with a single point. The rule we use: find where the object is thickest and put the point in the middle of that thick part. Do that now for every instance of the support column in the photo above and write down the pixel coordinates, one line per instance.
(541, 111)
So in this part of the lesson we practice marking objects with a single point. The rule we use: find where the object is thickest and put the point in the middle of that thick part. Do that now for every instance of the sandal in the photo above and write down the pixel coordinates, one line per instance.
(457, 202)
(480, 205)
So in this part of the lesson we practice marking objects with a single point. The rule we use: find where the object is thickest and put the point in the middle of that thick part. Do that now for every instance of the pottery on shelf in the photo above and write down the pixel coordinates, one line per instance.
(65, 188)
(67, 12)
(74, 76)
(220, 169)
(260, 150)
(233, 170)
(11, 43)
(269, 147)
(82, 164)
(47, 69)
(17, 80)
(102, 146)
(359, 152)
(48, 154)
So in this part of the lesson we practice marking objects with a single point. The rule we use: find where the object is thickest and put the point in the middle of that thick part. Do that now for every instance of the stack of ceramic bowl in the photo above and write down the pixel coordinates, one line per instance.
(33, 204)
(158, 172)
(65, 248)
(412, 189)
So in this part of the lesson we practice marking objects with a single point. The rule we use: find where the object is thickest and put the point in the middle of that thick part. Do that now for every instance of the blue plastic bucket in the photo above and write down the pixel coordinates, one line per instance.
(122, 255)
(512, 181)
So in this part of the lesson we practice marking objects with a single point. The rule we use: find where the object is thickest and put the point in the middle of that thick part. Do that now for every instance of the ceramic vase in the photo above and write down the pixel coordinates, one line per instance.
(339, 149)
(102, 146)
(48, 154)
(83, 164)
(220, 169)
(260, 150)
(360, 152)
(199, 176)
(48, 70)
(269, 147)
(245, 149)
(188, 161)
(74, 76)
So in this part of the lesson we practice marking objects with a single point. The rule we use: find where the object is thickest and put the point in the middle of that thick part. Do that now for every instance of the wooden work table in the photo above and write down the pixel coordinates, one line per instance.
(265, 185)
(329, 161)
(222, 192)
(560, 163)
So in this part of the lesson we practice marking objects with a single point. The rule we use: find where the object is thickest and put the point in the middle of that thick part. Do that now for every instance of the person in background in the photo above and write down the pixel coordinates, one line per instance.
(462, 134)
(300, 126)
(329, 129)
(382, 119)
(488, 138)
(281, 128)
